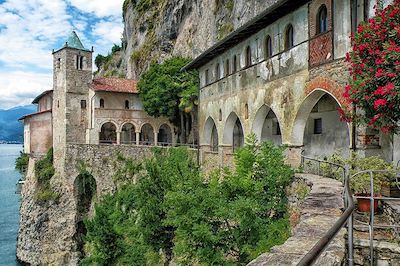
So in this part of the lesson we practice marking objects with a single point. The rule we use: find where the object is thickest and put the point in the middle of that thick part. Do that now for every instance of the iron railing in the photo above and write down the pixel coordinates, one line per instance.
(345, 218)
(372, 197)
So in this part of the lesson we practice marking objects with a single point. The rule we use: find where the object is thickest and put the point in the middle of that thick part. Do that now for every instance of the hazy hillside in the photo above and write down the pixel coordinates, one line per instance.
(10, 128)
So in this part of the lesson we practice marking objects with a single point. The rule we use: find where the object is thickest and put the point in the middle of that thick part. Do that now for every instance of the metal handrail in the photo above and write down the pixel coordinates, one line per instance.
(346, 217)
(372, 199)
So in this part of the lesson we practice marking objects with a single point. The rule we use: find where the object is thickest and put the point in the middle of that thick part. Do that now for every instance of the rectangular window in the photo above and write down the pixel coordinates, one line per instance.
(83, 104)
(318, 126)
(207, 78)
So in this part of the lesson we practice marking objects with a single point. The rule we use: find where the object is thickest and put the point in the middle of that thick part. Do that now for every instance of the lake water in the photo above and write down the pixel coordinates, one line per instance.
(9, 204)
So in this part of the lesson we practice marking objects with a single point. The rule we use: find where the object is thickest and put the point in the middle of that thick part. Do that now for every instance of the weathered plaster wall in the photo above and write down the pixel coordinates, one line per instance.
(40, 130)
(45, 103)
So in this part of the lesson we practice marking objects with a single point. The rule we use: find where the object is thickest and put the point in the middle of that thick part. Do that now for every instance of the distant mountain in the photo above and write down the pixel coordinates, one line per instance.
(10, 128)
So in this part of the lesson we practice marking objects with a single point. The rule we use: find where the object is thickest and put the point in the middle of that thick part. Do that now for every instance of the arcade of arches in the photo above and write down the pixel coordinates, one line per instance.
(130, 134)
(316, 129)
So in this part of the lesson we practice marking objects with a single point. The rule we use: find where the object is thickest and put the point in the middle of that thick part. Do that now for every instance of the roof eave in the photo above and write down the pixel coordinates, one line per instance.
(249, 28)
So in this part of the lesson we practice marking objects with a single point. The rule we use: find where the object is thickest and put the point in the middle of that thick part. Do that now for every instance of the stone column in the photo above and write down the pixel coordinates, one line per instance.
(118, 137)
(368, 141)
(155, 138)
(137, 137)
(293, 155)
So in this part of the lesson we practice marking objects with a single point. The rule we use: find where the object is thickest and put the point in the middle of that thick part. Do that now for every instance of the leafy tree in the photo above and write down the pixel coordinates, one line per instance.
(167, 91)
(173, 214)
(375, 63)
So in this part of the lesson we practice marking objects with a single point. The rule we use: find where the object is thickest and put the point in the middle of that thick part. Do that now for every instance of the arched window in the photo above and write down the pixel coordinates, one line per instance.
(248, 56)
(234, 64)
(227, 68)
(246, 111)
(217, 72)
(268, 47)
(126, 104)
(220, 115)
(289, 37)
(101, 103)
(322, 20)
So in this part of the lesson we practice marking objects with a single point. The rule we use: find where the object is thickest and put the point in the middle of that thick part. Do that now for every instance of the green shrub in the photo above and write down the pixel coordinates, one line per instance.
(361, 182)
(171, 211)
(44, 171)
(21, 163)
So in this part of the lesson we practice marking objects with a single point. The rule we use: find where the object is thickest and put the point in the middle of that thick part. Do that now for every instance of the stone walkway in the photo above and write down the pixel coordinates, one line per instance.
(320, 210)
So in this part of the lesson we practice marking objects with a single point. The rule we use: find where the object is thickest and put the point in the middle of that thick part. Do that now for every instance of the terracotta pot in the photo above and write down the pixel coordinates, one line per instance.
(364, 205)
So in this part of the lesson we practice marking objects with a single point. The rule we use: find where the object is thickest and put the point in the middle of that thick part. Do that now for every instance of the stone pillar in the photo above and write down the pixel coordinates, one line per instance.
(155, 138)
(118, 137)
(137, 137)
(293, 155)
(368, 142)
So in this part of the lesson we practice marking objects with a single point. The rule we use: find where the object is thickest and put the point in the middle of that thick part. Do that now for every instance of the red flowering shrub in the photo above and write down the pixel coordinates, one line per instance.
(374, 86)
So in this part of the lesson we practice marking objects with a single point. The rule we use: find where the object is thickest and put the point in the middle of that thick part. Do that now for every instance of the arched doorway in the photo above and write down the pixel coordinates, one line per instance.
(147, 135)
(211, 134)
(164, 135)
(128, 134)
(85, 193)
(108, 133)
(318, 126)
(233, 132)
(266, 126)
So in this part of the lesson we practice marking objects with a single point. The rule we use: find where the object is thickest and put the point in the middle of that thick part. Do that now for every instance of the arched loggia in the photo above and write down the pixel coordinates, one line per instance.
(233, 132)
(211, 134)
(318, 126)
(266, 126)
(108, 133)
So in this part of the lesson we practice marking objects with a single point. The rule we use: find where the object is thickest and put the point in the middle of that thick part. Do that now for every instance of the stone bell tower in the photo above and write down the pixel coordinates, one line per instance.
(72, 75)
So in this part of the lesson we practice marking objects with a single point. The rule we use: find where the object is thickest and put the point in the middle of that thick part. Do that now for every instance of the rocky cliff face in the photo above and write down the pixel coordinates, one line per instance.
(157, 29)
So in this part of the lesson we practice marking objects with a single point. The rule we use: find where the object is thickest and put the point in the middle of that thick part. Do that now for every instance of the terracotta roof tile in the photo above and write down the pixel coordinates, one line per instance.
(115, 85)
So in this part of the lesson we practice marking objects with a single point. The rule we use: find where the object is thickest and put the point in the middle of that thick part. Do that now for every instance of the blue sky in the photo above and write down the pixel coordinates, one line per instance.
(30, 29)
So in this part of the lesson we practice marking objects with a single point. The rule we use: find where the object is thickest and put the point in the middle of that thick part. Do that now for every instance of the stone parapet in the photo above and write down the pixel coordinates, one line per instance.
(320, 210)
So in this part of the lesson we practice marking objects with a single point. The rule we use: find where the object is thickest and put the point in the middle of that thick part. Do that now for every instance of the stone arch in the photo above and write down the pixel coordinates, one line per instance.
(329, 134)
(211, 134)
(164, 135)
(128, 133)
(266, 125)
(85, 190)
(233, 131)
(329, 86)
(147, 134)
(108, 133)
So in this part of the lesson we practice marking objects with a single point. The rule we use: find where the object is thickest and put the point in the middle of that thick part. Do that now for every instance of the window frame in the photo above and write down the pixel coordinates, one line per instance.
(322, 23)
(268, 47)
(289, 37)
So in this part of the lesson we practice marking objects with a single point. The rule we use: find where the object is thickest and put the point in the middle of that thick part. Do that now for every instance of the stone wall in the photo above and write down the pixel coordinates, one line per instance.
(48, 230)
(320, 210)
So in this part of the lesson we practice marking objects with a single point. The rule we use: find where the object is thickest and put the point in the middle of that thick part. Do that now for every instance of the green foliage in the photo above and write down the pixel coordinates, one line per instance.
(172, 212)
(86, 188)
(44, 171)
(21, 163)
(234, 218)
(360, 183)
(299, 190)
(166, 90)
(224, 30)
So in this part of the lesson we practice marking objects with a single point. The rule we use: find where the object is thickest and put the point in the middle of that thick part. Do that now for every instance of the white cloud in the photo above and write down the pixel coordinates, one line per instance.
(20, 88)
(101, 8)
(30, 29)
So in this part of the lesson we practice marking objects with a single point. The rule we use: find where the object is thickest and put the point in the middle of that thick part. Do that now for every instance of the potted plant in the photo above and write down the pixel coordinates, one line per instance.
(361, 183)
